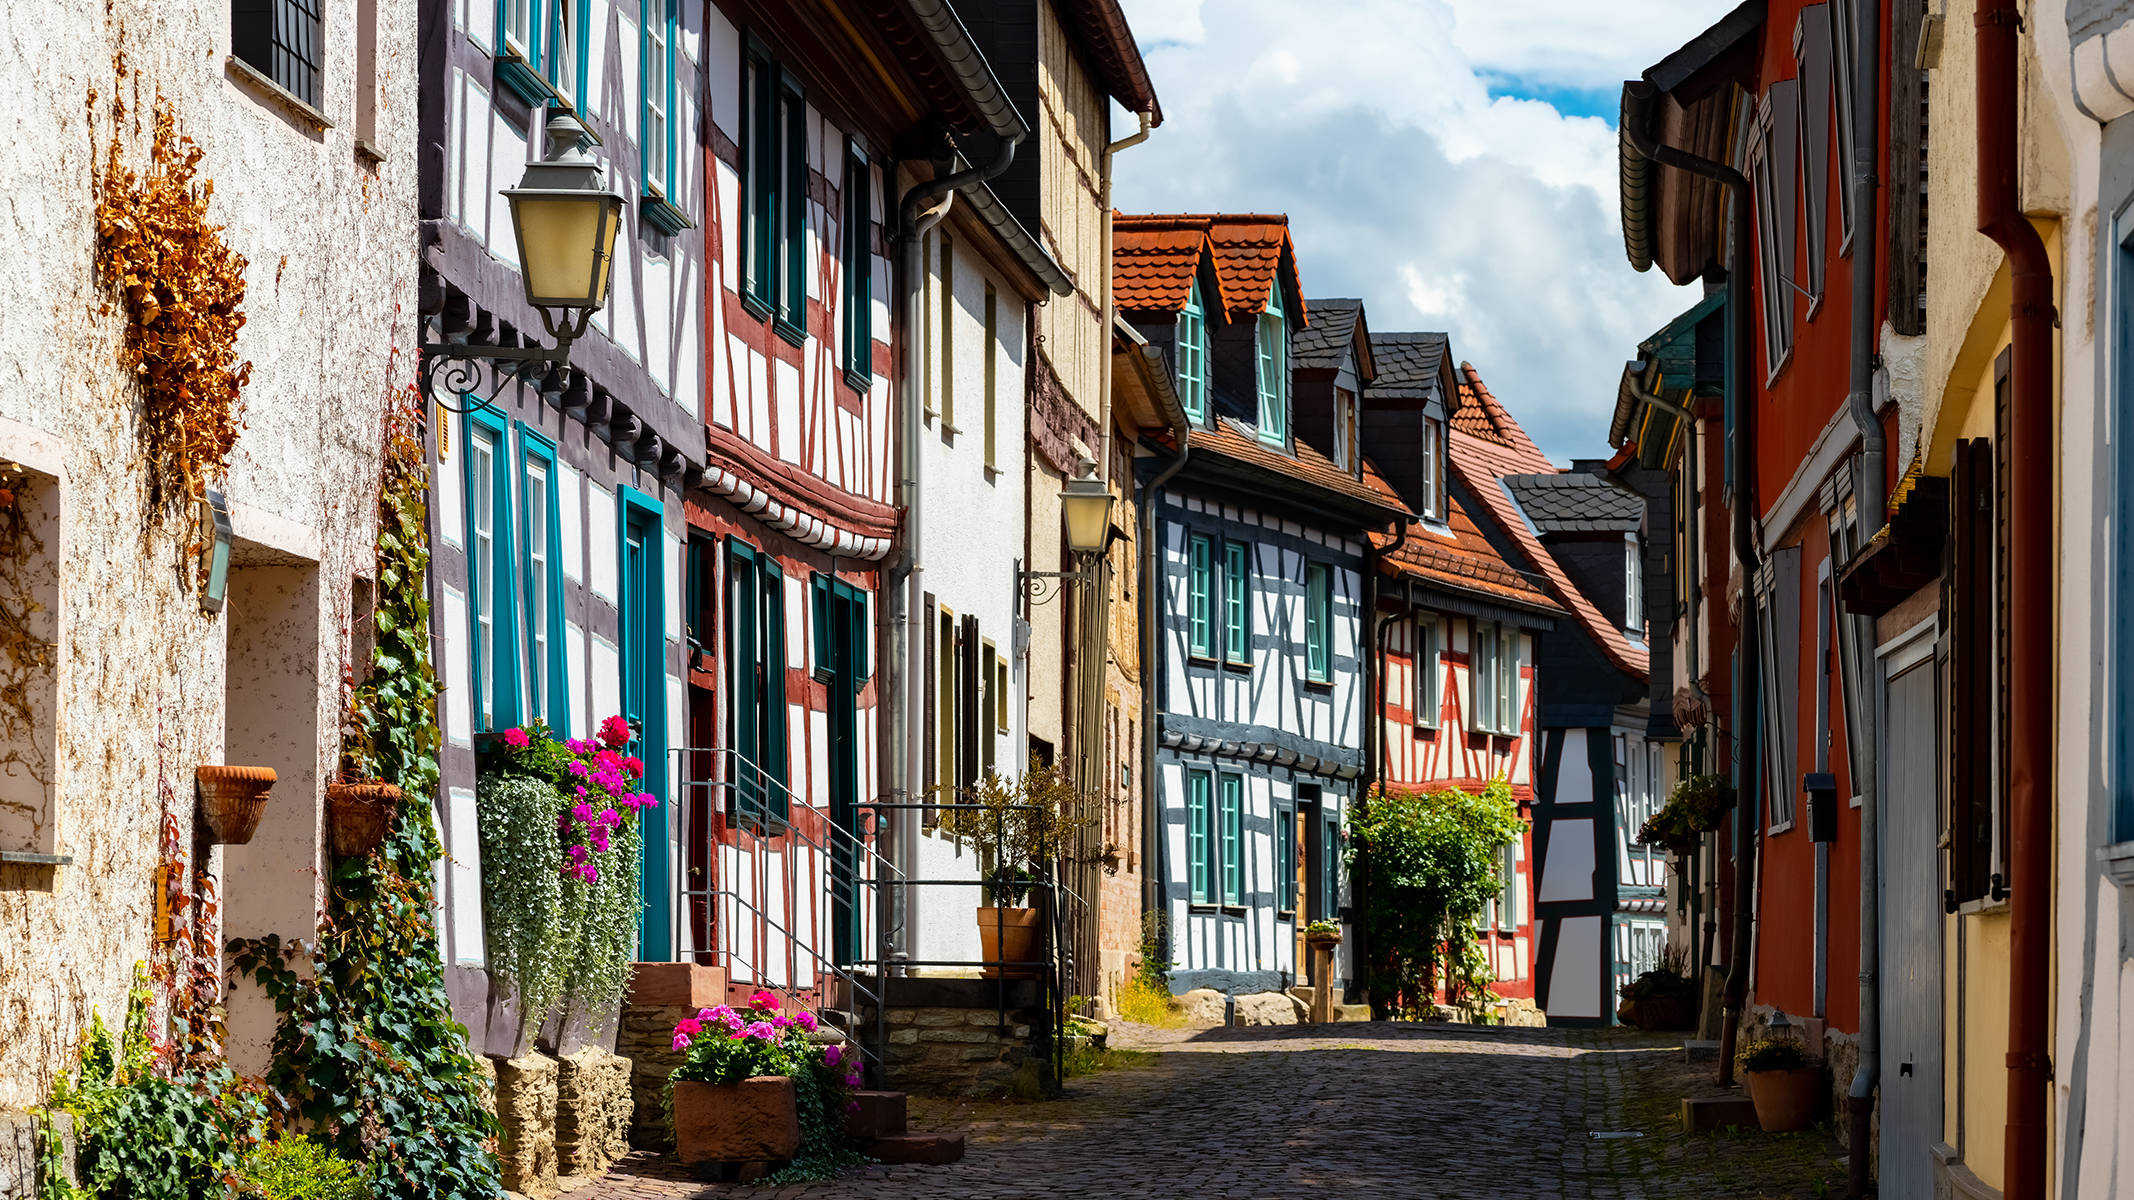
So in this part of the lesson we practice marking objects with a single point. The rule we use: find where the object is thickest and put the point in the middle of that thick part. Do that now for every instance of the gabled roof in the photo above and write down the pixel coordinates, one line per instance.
(1250, 251)
(1333, 331)
(1410, 365)
(1153, 262)
(1479, 415)
(1483, 464)
(1305, 474)
(1463, 561)
(1576, 502)
(1101, 27)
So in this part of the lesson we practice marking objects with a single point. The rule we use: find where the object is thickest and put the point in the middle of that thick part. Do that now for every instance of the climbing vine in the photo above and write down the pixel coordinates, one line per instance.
(181, 288)
(1426, 864)
(367, 1053)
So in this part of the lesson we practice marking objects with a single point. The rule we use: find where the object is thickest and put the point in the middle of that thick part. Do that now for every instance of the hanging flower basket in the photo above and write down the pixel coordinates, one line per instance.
(232, 799)
(359, 814)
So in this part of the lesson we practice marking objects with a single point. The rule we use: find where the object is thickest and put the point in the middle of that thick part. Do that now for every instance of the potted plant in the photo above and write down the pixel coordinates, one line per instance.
(359, 806)
(1660, 1000)
(1020, 826)
(752, 1086)
(1323, 932)
(1694, 808)
(232, 800)
(1784, 1082)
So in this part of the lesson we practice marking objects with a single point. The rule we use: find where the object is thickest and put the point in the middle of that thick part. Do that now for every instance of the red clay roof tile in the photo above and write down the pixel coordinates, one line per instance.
(1153, 260)
(1463, 560)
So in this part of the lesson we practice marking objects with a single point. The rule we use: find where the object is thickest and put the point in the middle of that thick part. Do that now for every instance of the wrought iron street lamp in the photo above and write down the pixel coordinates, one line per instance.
(1085, 516)
(565, 219)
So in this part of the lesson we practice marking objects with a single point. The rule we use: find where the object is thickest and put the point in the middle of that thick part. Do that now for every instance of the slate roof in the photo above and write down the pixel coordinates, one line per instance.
(1226, 439)
(1408, 365)
(1485, 450)
(1321, 346)
(1249, 249)
(1576, 502)
(1463, 561)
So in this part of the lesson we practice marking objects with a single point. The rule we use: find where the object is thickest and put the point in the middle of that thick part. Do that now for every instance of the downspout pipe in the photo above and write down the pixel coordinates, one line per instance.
(923, 207)
(2030, 613)
(1374, 717)
(1741, 388)
(1153, 874)
(1111, 309)
(1860, 707)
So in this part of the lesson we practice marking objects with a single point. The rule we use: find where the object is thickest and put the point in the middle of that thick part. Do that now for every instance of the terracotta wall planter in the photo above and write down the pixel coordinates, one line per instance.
(360, 813)
(755, 1120)
(1009, 935)
(1785, 1100)
(232, 799)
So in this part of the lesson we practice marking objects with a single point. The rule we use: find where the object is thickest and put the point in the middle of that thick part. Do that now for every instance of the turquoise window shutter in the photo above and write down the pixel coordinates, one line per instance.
(1233, 796)
(1201, 586)
(1237, 603)
(1197, 825)
(1318, 622)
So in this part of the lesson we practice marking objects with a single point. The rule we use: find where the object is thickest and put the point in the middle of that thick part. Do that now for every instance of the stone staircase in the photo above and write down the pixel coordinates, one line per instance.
(878, 1128)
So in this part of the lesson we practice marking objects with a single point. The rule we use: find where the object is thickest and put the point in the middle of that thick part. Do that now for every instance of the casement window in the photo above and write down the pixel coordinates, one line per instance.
(282, 40)
(978, 668)
(1633, 586)
(1285, 862)
(656, 147)
(1001, 713)
(1231, 794)
(1200, 596)
(1778, 613)
(1811, 56)
(1628, 796)
(827, 595)
(1200, 833)
(992, 386)
(755, 646)
(1237, 604)
(1974, 596)
(774, 191)
(857, 302)
(1433, 469)
(700, 611)
(491, 573)
(1511, 896)
(547, 687)
(541, 49)
(1428, 631)
(1318, 622)
(1846, 69)
(1329, 897)
(1345, 429)
(1272, 338)
(1773, 161)
(947, 401)
(948, 719)
(1193, 356)
(1493, 675)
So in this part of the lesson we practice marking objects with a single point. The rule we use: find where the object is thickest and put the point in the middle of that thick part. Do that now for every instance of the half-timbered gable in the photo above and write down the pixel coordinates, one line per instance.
(557, 521)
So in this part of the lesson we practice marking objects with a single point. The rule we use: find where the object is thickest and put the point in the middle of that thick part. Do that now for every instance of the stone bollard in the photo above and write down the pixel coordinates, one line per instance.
(593, 1107)
(526, 1112)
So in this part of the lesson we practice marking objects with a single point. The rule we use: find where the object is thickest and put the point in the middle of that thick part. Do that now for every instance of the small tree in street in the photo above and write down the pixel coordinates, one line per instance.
(1425, 865)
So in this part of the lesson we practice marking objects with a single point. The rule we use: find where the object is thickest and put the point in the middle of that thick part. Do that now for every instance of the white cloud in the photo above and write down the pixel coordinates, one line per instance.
(1372, 124)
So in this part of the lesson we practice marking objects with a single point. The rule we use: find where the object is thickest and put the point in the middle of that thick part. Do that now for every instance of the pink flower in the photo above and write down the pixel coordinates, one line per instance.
(762, 1030)
(852, 1106)
(608, 758)
(615, 731)
(763, 1000)
(583, 812)
(833, 1055)
(634, 765)
(516, 738)
(579, 769)
(806, 1020)
(608, 817)
(681, 1041)
(853, 1080)
(734, 1024)
(689, 1025)
(781, 1022)
(580, 745)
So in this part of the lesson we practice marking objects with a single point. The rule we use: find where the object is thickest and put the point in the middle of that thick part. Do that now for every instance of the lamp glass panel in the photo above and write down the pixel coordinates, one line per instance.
(563, 244)
(1087, 514)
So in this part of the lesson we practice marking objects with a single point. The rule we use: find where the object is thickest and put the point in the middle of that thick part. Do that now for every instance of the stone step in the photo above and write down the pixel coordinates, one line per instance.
(1703, 1114)
(930, 1149)
(878, 1115)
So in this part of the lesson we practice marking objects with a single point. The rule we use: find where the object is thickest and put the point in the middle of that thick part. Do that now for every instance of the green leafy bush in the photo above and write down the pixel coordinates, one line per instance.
(1424, 865)
(297, 1168)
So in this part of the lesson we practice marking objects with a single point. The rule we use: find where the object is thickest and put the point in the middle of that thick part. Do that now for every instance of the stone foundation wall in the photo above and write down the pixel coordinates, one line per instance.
(19, 1137)
(956, 1037)
(559, 1117)
(594, 1104)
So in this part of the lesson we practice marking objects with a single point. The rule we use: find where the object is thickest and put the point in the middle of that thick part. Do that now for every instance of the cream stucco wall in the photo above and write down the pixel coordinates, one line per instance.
(331, 242)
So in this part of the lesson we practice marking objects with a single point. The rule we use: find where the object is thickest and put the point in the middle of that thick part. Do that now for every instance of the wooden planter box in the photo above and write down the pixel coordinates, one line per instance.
(754, 1121)
(1785, 1100)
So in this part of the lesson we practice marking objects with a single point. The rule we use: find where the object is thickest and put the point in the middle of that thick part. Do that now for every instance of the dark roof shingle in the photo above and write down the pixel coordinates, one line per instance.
(1576, 502)
(1322, 345)
(1409, 365)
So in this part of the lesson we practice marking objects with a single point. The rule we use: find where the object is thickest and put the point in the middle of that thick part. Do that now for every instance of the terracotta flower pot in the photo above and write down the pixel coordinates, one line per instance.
(1664, 1013)
(1322, 939)
(1008, 935)
(1785, 1100)
(755, 1120)
(359, 814)
(232, 799)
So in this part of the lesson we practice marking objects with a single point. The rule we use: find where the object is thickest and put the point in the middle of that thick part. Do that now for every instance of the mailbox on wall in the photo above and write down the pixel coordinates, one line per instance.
(1822, 789)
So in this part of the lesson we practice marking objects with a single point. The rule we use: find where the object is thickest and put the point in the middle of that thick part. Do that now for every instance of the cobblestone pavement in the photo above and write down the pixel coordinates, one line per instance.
(1378, 1110)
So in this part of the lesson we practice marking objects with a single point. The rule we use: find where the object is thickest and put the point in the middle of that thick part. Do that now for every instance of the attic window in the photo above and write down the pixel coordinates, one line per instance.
(1273, 338)
(1193, 357)
(1344, 429)
(1433, 469)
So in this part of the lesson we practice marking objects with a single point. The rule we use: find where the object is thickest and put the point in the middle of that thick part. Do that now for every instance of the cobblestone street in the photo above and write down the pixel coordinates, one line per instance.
(1380, 1110)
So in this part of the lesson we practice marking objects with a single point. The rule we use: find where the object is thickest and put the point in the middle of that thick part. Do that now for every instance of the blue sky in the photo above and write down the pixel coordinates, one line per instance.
(1453, 162)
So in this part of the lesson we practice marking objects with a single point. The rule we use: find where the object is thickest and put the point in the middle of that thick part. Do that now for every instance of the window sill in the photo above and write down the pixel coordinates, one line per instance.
(859, 381)
(1423, 727)
(789, 331)
(654, 210)
(526, 83)
(1237, 667)
(1318, 685)
(2118, 862)
(26, 858)
(1234, 910)
(1776, 827)
(1984, 906)
(252, 79)
(992, 473)
(1286, 914)
(370, 152)
(1200, 660)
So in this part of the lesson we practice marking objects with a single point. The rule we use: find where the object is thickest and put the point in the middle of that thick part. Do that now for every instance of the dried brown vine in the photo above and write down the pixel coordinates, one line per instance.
(182, 289)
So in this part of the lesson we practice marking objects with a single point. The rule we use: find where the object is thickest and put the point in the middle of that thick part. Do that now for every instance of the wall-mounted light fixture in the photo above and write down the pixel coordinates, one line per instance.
(215, 537)
(1085, 518)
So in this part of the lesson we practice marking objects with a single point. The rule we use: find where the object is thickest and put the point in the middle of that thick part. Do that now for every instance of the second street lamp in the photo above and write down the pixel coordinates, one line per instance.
(1085, 519)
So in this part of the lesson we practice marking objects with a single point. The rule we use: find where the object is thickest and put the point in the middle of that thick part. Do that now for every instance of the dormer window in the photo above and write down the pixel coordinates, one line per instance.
(1633, 587)
(1193, 357)
(1273, 337)
(1433, 469)
(1344, 429)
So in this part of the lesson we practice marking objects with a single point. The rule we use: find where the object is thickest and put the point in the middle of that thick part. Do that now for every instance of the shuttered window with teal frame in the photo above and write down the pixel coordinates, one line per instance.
(1193, 356)
(755, 641)
(541, 50)
(1232, 793)
(1285, 862)
(821, 589)
(1318, 622)
(857, 268)
(1272, 337)
(1200, 596)
(541, 566)
(1237, 603)
(761, 186)
(491, 574)
(1200, 840)
(656, 118)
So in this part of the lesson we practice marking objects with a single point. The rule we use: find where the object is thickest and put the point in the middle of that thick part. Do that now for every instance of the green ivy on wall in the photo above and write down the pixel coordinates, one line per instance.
(367, 1051)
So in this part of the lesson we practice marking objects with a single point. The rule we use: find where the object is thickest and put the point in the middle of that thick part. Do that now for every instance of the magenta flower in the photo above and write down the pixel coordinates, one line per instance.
(615, 731)
(833, 1055)
(689, 1025)
(805, 1019)
(579, 769)
(853, 1080)
(762, 1030)
(852, 1106)
(634, 765)
(763, 1000)
(516, 738)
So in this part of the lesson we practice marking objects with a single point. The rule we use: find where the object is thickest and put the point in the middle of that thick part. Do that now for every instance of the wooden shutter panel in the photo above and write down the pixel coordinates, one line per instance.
(967, 706)
(1811, 48)
(774, 664)
(1967, 602)
(930, 714)
(2003, 579)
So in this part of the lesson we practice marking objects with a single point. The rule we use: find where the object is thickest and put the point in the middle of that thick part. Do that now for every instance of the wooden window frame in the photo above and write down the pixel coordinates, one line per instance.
(1237, 603)
(500, 684)
(857, 301)
(1285, 863)
(1426, 696)
(757, 657)
(544, 587)
(1200, 597)
(990, 431)
(1319, 623)
(283, 41)
(1230, 801)
(1192, 356)
(1200, 840)
(1271, 350)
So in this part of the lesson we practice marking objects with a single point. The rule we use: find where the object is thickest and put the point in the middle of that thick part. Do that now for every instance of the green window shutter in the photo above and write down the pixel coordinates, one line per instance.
(1193, 356)
(1285, 861)
(773, 697)
(744, 613)
(1200, 588)
(1237, 603)
(819, 623)
(858, 269)
(1197, 822)
(793, 292)
(1273, 339)
(1318, 622)
(759, 177)
(1233, 796)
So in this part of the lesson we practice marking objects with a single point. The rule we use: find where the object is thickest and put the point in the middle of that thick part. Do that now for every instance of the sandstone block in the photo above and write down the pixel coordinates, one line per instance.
(679, 985)
(526, 1112)
(1205, 1007)
(1266, 1008)
(943, 1016)
(594, 1103)
(953, 1035)
(879, 1114)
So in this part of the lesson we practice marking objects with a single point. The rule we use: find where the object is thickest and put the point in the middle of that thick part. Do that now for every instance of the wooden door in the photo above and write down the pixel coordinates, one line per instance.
(1912, 933)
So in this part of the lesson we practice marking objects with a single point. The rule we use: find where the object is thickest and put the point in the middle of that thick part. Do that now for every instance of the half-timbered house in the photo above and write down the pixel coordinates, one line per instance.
(1263, 543)
(557, 517)
(1599, 895)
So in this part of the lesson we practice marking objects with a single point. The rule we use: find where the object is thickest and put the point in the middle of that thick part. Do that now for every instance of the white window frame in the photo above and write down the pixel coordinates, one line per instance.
(1427, 664)
(1633, 585)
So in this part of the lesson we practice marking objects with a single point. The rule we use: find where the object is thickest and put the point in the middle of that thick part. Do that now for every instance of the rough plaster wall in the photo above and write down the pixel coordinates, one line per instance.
(331, 246)
(1902, 379)
(1073, 125)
